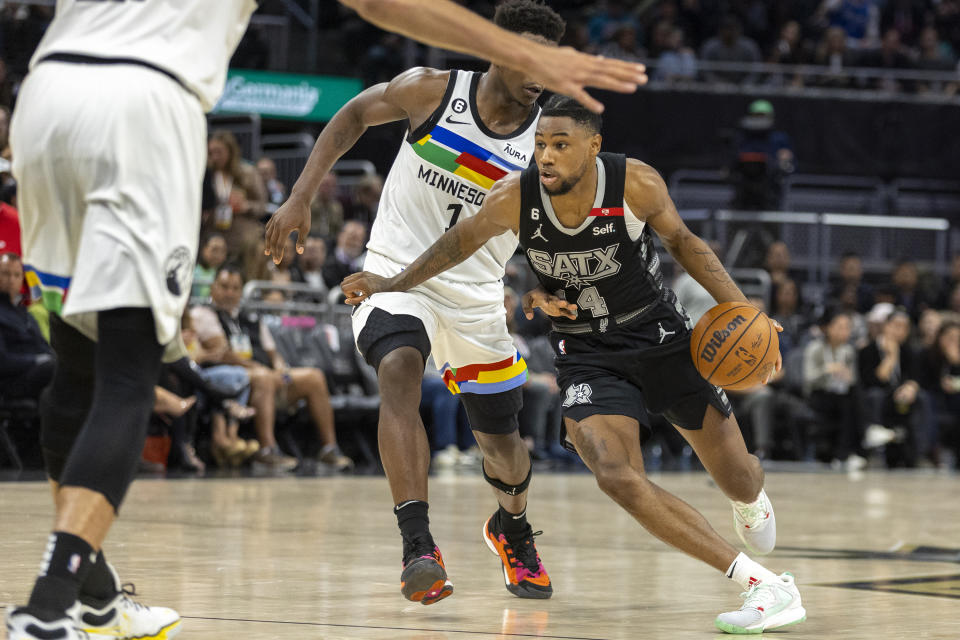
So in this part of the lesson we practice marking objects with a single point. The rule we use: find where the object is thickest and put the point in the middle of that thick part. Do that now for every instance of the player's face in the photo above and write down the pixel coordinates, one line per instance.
(521, 87)
(227, 290)
(564, 151)
(11, 276)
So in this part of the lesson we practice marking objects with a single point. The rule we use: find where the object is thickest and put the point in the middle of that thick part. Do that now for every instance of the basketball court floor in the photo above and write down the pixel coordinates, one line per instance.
(875, 555)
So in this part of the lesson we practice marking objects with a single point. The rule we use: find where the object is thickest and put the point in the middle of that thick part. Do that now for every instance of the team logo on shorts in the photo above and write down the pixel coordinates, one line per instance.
(178, 271)
(578, 394)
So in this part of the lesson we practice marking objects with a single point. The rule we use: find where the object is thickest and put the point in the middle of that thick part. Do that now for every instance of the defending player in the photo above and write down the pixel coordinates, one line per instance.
(466, 131)
(621, 339)
(112, 216)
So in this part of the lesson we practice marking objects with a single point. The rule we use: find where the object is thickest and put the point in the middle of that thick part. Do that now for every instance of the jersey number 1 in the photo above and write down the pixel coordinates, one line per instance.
(591, 299)
(456, 208)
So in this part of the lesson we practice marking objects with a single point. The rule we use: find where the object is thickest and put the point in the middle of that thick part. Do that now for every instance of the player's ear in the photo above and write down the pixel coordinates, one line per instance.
(596, 141)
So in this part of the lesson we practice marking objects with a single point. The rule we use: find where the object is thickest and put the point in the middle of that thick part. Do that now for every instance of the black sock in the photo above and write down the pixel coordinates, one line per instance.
(66, 564)
(412, 518)
(512, 523)
(99, 584)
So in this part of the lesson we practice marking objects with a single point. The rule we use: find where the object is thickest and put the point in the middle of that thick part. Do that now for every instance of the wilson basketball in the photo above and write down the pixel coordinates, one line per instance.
(734, 346)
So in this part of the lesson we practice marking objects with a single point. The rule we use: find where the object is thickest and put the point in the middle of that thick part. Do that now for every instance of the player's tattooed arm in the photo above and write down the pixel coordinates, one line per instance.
(500, 213)
(646, 194)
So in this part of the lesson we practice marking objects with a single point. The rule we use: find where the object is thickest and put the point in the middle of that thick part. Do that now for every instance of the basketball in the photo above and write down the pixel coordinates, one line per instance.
(734, 346)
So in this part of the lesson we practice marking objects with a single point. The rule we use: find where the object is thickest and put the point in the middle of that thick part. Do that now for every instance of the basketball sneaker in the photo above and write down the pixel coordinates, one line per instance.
(424, 578)
(23, 625)
(766, 605)
(523, 573)
(122, 618)
(756, 524)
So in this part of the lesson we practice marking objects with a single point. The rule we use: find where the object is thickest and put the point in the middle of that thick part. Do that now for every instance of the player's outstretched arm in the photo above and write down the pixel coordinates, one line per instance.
(442, 23)
(401, 98)
(500, 213)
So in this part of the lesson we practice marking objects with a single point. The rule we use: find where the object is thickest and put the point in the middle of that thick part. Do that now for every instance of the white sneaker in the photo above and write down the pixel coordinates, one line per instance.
(22, 625)
(877, 436)
(855, 463)
(767, 605)
(755, 524)
(447, 458)
(122, 618)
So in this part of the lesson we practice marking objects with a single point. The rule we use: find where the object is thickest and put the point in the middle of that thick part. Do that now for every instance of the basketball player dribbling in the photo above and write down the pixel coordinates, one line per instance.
(108, 141)
(466, 131)
(622, 341)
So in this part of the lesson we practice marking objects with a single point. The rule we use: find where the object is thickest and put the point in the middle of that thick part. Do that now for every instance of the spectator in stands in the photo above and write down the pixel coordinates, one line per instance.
(927, 329)
(241, 196)
(213, 254)
(348, 255)
(26, 360)
(832, 52)
(676, 62)
(906, 16)
(891, 55)
(276, 190)
(858, 19)
(242, 339)
(887, 369)
(729, 45)
(935, 55)
(624, 45)
(943, 296)
(789, 49)
(608, 16)
(366, 200)
(908, 292)
(4, 123)
(850, 291)
(310, 266)
(830, 382)
(9, 229)
(940, 377)
(326, 210)
(764, 158)
(788, 312)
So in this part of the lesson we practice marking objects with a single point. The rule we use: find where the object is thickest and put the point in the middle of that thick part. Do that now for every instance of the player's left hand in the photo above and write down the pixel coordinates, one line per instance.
(361, 285)
(551, 305)
(779, 365)
(293, 215)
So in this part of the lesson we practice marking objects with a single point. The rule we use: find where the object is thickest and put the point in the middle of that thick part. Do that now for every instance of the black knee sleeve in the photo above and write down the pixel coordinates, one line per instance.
(127, 365)
(493, 413)
(509, 489)
(65, 403)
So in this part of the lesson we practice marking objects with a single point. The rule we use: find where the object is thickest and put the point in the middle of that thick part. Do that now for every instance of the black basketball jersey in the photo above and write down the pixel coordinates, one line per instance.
(610, 275)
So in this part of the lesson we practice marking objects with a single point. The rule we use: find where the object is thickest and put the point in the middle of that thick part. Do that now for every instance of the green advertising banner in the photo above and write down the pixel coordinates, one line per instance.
(286, 95)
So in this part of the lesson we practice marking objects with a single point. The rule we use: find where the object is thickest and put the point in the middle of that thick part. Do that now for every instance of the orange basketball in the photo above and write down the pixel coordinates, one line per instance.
(734, 346)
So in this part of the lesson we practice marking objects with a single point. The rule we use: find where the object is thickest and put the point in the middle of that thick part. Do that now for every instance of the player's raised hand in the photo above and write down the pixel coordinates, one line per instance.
(293, 215)
(363, 284)
(566, 70)
(779, 364)
(551, 305)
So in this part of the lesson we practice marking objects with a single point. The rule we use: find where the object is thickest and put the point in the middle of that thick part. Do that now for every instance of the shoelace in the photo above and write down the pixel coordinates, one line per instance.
(756, 597)
(129, 591)
(525, 551)
(753, 514)
(417, 547)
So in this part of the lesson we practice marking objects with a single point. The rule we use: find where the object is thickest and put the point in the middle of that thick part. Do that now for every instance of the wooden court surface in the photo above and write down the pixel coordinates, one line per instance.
(320, 558)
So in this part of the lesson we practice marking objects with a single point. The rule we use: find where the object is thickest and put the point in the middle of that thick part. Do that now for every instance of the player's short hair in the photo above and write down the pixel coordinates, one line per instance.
(559, 106)
(229, 269)
(530, 16)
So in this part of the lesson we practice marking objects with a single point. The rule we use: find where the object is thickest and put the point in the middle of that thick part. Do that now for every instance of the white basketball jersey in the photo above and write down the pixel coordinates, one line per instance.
(442, 174)
(191, 39)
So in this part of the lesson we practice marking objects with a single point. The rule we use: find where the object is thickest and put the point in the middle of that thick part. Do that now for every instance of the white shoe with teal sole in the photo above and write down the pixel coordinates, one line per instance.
(766, 605)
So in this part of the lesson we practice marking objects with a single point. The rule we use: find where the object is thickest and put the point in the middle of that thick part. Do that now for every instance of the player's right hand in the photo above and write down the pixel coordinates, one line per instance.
(293, 215)
(567, 71)
(551, 305)
(359, 286)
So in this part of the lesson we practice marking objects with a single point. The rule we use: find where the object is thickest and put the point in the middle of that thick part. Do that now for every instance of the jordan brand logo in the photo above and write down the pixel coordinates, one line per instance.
(539, 234)
(664, 334)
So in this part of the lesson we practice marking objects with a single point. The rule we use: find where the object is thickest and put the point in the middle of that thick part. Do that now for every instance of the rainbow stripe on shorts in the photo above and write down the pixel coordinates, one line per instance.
(486, 378)
(48, 287)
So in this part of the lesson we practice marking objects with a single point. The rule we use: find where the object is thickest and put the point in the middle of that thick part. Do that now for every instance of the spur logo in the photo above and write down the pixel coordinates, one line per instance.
(719, 337)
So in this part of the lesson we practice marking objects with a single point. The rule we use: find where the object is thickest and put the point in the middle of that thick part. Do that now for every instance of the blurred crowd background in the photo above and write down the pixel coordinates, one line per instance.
(810, 141)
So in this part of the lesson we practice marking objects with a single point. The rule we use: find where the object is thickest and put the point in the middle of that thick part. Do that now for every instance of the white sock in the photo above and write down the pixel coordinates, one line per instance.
(747, 573)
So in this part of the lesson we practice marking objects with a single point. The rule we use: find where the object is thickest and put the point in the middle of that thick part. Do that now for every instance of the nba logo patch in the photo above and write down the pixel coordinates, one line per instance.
(562, 346)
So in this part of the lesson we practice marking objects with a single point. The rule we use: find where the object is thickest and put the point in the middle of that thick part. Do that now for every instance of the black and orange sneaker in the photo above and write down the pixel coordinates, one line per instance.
(424, 578)
(523, 572)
